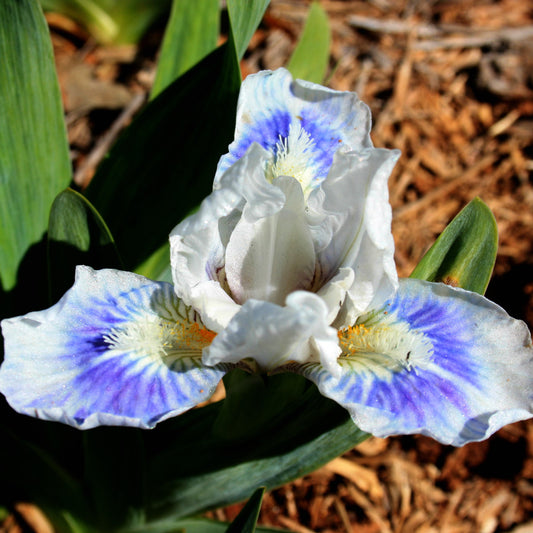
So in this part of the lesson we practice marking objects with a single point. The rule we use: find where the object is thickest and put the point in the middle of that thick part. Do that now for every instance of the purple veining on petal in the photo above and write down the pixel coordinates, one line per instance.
(444, 326)
(270, 130)
(266, 131)
(403, 392)
(327, 140)
(131, 396)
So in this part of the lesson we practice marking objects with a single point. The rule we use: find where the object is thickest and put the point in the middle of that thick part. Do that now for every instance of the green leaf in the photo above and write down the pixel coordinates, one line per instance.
(157, 266)
(77, 235)
(111, 21)
(134, 17)
(164, 162)
(245, 16)
(253, 402)
(194, 466)
(246, 520)
(71, 220)
(191, 525)
(115, 476)
(464, 254)
(87, 13)
(310, 59)
(192, 33)
(34, 159)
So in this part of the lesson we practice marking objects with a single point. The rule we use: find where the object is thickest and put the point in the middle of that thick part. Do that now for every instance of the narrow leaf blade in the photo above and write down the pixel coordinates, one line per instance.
(134, 17)
(157, 266)
(293, 441)
(34, 160)
(191, 34)
(77, 235)
(111, 22)
(465, 252)
(310, 59)
(87, 13)
(245, 16)
(246, 520)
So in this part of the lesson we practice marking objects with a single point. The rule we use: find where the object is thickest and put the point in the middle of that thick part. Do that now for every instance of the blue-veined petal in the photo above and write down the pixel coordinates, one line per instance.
(435, 360)
(117, 349)
(273, 335)
(286, 116)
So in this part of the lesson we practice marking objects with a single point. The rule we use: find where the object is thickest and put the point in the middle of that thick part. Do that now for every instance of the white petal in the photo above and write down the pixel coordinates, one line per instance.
(360, 227)
(269, 258)
(197, 245)
(334, 292)
(271, 103)
(273, 335)
(214, 305)
(247, 178)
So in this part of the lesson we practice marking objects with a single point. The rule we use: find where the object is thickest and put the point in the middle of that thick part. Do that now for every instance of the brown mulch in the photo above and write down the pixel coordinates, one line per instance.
(450, 83)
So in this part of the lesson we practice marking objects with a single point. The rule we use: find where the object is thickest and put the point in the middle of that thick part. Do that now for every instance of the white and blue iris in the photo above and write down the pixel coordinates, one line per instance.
(288, 262)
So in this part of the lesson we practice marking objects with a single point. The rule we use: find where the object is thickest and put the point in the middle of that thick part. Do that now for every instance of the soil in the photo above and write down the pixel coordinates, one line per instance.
(450, 83)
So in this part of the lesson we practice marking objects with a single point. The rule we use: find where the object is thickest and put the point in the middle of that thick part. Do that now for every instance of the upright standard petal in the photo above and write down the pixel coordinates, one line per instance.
(352, 207)
(434, 360)
(300, 203)
(270, 257)
(117, 349)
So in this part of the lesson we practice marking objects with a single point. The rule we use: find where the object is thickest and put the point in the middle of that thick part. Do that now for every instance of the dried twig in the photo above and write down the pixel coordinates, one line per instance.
(295, 526)
(447, 188)
(481, 39)
(393, 26)
(468, 38)
(85, 170)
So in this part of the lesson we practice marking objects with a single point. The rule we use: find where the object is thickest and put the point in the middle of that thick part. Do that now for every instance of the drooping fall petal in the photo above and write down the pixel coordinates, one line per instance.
(117, 349)
(435, 360)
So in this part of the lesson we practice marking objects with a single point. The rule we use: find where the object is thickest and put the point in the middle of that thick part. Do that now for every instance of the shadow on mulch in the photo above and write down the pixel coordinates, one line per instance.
(513, 290)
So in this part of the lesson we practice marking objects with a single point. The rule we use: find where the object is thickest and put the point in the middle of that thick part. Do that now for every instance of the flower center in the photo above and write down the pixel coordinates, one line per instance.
(388, 346)
(160, 339)
(292, 157)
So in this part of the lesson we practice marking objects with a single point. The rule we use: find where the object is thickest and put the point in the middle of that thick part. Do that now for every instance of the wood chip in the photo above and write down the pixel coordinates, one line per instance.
(362, 477)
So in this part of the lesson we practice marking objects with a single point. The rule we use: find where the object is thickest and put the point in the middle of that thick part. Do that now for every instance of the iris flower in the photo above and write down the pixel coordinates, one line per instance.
(287, 266)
